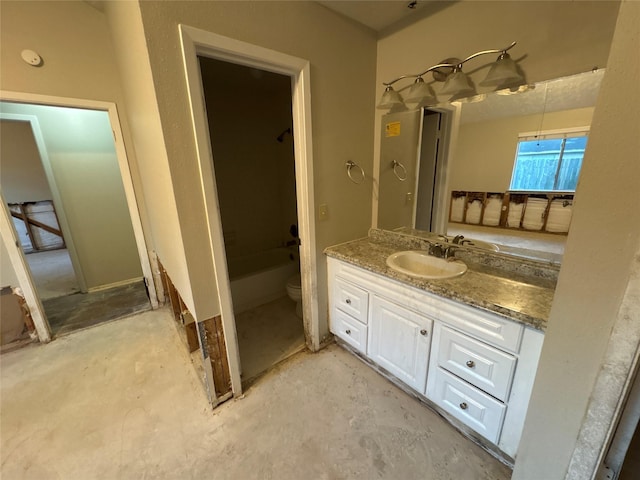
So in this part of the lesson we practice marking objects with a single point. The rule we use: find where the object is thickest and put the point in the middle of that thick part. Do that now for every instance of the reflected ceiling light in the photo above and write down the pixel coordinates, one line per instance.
(421, 93)
(458, 85)
(390, 98)
(504, 73)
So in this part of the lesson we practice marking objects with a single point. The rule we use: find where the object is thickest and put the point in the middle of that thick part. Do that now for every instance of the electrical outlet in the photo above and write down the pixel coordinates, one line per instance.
(409, 198)
(323, 212)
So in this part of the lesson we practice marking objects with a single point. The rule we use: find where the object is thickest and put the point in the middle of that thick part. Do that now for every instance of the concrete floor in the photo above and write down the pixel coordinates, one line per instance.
(52, 273)
(123, 401)
(82, 310)
(267, 335)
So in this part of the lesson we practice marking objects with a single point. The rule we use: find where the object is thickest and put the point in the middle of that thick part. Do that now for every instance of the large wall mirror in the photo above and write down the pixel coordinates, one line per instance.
(449, 170)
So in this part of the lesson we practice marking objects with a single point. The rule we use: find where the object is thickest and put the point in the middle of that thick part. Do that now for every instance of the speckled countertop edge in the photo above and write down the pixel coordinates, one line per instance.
(524, 299)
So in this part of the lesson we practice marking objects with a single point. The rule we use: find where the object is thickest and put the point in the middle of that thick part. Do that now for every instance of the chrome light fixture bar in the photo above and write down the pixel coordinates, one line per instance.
(503, 73)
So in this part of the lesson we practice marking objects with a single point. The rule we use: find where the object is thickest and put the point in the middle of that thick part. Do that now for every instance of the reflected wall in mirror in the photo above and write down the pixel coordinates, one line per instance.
(471, 148)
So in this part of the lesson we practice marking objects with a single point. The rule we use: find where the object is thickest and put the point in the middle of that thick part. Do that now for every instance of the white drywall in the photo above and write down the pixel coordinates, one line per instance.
(601, 257)
(342, 109)
(21, 174)
(81, 152)
(485, 151)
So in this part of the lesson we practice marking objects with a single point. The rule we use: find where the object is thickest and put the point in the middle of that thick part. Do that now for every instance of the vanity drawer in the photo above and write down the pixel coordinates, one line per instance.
(485, 326)
(472, 407)
(349, 329)
(351, 299)
(476, 362)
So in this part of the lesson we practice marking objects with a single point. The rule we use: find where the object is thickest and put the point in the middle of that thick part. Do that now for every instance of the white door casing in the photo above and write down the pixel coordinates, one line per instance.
(19, 263)
(196, 42)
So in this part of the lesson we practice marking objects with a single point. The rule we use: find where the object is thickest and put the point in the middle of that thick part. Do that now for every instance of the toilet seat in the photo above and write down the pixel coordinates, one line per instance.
(295, 282)
(294, 291)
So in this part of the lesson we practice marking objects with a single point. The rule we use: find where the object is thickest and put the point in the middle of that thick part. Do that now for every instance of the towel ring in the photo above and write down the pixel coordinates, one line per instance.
(350, 164)
(401, 176)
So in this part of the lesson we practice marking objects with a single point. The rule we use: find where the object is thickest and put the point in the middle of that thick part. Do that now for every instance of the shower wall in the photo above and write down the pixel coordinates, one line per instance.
(248, 110)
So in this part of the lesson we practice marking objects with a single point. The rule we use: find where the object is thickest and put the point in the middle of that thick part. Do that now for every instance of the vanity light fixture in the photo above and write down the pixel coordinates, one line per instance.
(502, 74)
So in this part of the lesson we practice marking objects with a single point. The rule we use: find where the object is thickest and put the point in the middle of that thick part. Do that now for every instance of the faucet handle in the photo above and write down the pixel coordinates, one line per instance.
(436, 250)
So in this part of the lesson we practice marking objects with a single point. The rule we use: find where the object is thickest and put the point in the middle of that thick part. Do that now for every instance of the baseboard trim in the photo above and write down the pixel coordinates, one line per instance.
(121, 283)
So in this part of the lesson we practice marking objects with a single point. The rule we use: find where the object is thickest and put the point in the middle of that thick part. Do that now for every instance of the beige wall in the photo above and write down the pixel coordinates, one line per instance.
(8, 277)
(341, 56)
(485, 151)
(600, 257)
(21, 174)
(73, 39)
(84, 164)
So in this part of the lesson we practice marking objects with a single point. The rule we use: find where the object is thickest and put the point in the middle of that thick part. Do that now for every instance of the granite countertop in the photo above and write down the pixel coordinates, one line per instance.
(520, 294)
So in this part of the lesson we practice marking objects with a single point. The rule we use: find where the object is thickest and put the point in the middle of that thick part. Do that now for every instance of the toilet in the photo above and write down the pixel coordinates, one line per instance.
(294, 291)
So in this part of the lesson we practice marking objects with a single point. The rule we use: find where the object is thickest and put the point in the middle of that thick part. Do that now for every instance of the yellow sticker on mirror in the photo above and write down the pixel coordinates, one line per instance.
(392, 129)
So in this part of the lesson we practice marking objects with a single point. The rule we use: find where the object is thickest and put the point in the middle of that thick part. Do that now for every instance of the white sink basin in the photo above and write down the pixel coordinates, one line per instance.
(481, 244)
(418, 263)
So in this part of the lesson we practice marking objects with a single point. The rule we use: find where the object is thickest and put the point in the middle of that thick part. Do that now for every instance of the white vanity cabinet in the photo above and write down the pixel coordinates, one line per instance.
(349, 313)
(475, 366)
(399, 341)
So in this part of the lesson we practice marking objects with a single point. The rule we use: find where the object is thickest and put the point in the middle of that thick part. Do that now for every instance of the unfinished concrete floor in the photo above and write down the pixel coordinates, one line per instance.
(82, 310)
(121, 400)
(52, 273)
(268, 334)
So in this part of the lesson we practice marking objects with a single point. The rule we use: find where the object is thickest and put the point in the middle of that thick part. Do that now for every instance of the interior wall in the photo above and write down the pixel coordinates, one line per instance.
(342, 112)
(8, 277)
(247, 109)
(84, 164)
(568, 419)
(21, 173)
(485, 151)
(130, 47)
(74, 41)
(555, 39)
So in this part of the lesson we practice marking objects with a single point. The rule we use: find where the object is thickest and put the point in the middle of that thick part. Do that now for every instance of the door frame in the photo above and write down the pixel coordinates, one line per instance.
(196, 42)
(450, 125)
(8, 234)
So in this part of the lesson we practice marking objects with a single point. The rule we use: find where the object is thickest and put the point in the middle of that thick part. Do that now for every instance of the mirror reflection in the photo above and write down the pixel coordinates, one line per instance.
(496, 171)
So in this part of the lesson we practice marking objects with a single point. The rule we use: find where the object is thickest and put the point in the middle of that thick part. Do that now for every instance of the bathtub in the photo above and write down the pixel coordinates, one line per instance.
(261, 277)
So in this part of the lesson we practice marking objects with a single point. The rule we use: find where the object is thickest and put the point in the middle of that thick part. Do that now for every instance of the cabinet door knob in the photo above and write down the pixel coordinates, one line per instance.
(464, 406)
(348, 332)
(348, 301)
(423, 332)
(471, 363)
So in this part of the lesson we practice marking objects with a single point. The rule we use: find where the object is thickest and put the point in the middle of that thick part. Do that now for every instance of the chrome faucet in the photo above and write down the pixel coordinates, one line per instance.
(441, 251)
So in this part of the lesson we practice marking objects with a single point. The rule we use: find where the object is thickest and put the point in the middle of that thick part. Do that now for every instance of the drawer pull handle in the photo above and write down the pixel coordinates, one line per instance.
(348, 301)
(464, 406)
(471, 363)
(348, 332)
(423, 332)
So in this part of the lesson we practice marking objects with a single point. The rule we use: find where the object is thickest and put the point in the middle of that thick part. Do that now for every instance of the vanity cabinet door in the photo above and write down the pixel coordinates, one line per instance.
(399, 341)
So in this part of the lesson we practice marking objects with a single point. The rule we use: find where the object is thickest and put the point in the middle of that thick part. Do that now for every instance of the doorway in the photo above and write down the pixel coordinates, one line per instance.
(71, 215)
(250, 128)
(200, 43)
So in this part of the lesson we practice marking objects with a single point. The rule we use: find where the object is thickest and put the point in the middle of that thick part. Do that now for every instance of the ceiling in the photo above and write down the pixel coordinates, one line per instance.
(566, 93)
(384, 16)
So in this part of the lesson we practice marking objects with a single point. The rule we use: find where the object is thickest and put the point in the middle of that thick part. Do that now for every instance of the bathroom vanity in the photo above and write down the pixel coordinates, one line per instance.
(467, 346)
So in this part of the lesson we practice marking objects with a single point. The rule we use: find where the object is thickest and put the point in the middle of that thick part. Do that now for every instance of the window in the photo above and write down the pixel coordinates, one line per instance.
(549, 161)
